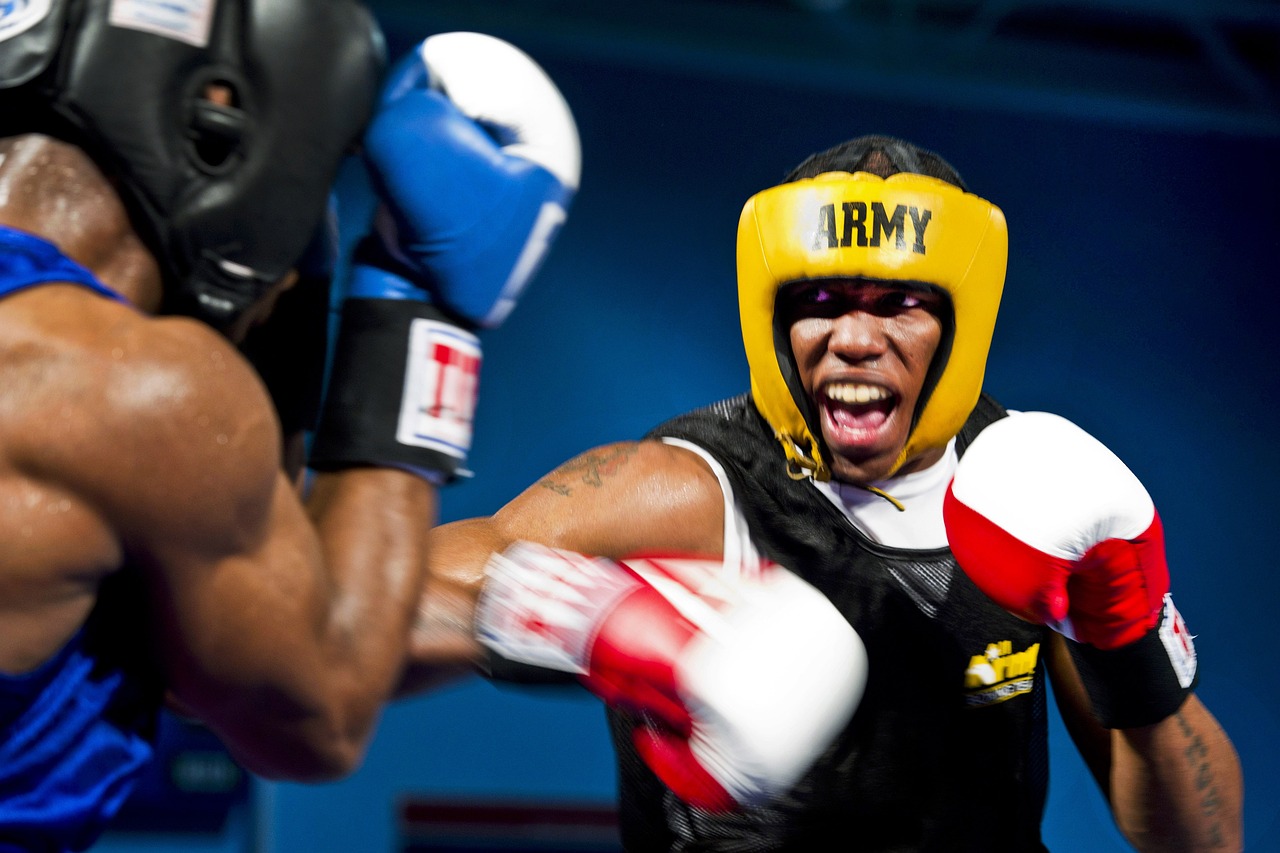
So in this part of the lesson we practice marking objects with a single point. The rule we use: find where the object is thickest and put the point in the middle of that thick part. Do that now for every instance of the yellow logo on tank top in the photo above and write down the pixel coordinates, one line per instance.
(999, 674)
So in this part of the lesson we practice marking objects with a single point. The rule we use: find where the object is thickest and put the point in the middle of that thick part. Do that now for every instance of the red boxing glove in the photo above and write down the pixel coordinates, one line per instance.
(1057, 530)
(1037, 494)
(741, 683)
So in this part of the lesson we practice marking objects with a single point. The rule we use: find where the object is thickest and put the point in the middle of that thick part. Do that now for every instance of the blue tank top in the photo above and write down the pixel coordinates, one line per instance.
(76, 732)
(27, 261)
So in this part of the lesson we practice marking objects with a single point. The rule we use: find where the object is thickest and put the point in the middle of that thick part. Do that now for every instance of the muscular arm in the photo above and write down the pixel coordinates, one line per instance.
(282, 627)
(289, 650)
(1172, 786)
(614, 501)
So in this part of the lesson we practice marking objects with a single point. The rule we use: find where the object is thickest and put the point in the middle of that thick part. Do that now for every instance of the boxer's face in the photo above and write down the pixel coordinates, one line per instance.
(863, 350)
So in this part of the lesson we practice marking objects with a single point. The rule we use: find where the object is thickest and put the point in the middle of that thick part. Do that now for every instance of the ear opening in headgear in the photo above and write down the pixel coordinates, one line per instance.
(217, 124)
(941, 357)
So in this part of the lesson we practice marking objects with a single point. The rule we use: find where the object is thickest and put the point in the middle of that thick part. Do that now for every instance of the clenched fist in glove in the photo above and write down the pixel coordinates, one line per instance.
(1057, 530)
(742, 682)
(474, 157)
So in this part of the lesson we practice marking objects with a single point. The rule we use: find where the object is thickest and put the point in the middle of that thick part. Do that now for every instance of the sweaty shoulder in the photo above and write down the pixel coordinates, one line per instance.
(621, 499)
(156, 423)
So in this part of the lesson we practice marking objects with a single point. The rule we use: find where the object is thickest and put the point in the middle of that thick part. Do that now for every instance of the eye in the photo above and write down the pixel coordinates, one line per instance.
(897, 300)
(815, 300)
(819, 296)
(807, 294)
(835, 298)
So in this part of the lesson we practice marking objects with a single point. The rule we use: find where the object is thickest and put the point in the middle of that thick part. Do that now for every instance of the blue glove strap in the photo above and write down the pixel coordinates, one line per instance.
(371, 282)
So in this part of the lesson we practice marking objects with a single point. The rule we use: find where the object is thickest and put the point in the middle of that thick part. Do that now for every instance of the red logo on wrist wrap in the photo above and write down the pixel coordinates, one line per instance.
(442, 380)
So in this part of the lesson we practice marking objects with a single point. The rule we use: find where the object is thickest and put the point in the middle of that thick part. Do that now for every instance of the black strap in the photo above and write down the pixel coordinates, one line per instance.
(361, 410)
(1138, 684)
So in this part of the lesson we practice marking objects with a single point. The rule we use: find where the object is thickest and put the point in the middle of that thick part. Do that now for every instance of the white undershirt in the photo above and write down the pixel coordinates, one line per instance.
(918, 524)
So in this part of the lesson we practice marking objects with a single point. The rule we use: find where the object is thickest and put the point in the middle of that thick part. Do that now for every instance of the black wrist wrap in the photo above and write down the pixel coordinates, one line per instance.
(1144, 682)
(496, 668)
(362, 407)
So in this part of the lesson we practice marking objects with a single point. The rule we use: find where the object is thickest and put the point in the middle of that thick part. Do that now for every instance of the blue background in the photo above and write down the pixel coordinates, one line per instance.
(1141, 303)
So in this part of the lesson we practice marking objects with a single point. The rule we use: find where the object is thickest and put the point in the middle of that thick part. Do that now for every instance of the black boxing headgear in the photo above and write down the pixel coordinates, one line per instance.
(226, 195)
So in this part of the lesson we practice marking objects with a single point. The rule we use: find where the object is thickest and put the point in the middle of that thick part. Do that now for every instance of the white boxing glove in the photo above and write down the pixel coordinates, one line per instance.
(741, 683)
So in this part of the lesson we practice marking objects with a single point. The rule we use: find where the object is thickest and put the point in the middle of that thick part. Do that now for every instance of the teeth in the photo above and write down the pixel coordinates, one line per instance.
(857, 393)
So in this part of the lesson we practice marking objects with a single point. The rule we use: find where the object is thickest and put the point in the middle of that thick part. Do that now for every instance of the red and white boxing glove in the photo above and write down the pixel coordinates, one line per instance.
(1057, 530)
(742, 683)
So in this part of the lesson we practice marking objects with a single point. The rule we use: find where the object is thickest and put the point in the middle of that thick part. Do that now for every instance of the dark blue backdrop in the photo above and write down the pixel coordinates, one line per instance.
(1140, 303)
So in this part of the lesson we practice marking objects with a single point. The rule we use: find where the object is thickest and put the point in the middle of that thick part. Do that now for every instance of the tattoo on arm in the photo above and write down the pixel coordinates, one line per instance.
(1197, 756)
(589, 469)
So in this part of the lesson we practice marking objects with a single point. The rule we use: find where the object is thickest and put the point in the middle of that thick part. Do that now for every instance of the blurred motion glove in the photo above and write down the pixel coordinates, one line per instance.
(741, 683)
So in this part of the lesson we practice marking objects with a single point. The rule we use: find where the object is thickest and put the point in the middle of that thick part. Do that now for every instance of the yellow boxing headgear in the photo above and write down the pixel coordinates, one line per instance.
(908, 228)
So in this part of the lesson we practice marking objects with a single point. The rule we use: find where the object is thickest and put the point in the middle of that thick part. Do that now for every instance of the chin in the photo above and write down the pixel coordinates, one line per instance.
(866, 464)
(862, 472)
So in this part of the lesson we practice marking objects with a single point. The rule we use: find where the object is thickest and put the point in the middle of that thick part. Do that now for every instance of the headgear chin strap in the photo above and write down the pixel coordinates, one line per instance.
(227, 196)
(906, 228)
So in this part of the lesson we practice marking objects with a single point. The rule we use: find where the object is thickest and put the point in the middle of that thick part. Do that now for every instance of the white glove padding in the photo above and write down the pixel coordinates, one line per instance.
(503, 90)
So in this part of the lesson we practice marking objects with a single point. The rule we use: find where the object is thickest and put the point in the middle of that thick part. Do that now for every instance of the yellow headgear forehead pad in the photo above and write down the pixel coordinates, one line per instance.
(909, 228)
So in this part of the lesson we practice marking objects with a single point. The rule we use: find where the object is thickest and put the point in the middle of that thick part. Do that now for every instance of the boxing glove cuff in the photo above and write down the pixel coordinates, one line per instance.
(1144, 682)
(537, 613)
(402, 391)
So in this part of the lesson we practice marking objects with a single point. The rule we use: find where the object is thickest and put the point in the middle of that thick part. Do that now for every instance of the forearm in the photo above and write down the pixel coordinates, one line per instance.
(372, 526)
(442, 644)
(1177, 785)
(289, 649)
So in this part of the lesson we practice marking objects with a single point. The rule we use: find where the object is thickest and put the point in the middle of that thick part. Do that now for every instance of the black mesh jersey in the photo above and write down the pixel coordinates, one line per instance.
(948, 748)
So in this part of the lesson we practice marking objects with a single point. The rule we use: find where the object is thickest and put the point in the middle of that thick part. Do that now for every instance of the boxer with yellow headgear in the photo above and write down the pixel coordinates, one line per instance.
(908, 228)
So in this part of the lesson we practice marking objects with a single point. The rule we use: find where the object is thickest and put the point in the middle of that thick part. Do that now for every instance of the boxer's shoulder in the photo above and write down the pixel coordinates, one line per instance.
(142, 417)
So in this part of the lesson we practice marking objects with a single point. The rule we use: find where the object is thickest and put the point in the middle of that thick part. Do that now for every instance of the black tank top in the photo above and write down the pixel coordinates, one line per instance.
(948, 749)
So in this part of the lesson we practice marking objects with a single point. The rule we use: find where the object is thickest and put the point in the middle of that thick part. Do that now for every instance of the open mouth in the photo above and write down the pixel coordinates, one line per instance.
(854, 414)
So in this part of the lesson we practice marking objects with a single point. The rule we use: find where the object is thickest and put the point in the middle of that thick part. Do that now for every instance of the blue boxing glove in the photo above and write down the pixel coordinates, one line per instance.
(474, 157)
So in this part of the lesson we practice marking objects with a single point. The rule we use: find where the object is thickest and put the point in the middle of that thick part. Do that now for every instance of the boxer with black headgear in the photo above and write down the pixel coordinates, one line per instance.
(225, 191)
(832, 672)
(163, 169)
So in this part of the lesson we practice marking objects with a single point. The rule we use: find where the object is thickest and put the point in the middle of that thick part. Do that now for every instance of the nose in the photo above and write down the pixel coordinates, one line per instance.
(858, 336)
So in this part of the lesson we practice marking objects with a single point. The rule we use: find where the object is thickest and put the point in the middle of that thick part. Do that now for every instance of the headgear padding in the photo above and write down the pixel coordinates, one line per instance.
(906, 228)
(227, 196)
